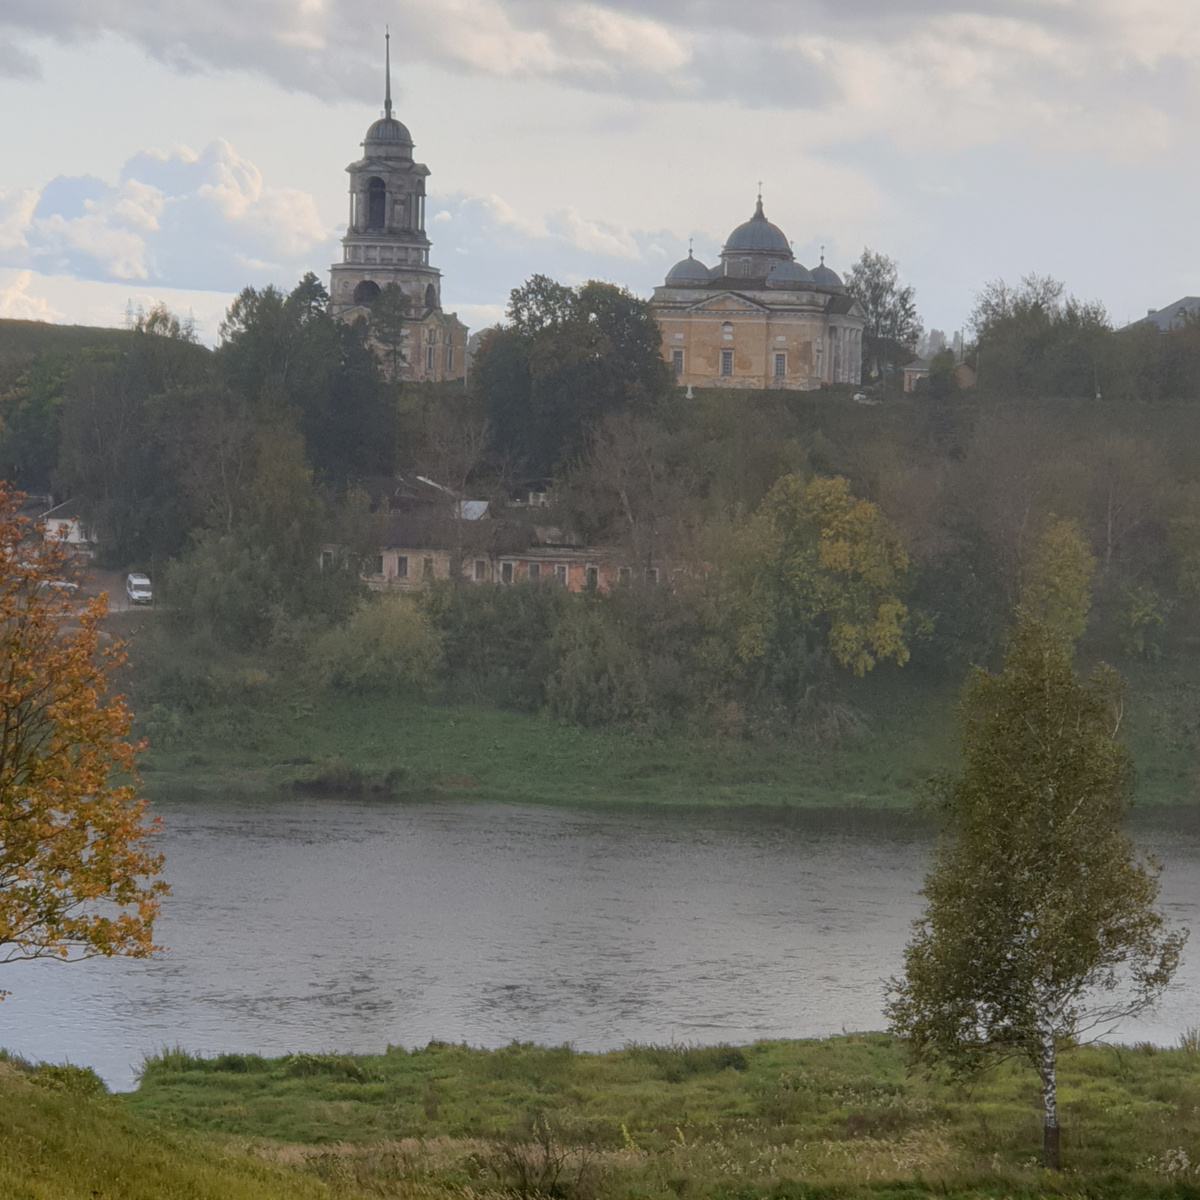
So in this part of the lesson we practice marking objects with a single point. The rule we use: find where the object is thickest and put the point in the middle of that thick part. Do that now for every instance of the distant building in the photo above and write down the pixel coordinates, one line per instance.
(1174, 316)
(386, 243)
(759, 319)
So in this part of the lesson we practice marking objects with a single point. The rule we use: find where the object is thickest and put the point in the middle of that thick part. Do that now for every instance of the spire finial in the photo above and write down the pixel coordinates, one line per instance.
(689, 247)
(758, 208)
(822, 256)
(387, 71)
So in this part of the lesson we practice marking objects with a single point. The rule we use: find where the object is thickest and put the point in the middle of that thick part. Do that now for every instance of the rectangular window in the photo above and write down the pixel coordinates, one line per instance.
(506, 572)
(429, 358)
(535, 570)
(328, 560)
(427, 568)
(651, 574)
(560, 573)
(726, 362)
(592, 576)
(780, 366)
(480, 570)
(677, 358)
(377, 565)
(449, 359)
(401, 566)
(625, 574)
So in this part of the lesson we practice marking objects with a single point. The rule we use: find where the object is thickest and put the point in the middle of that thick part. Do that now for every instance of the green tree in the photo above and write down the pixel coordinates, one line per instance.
(389, 319)
(1056, 587)
(1040, 924)
(892, 321)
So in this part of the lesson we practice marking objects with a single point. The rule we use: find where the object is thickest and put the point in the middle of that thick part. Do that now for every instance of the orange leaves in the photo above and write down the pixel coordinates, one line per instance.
(77, 869)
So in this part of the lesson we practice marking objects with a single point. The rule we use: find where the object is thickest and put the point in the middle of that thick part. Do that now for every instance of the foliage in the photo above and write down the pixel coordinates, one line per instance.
(816, 561)
(77, 872)
(1058, 577)
(568, 358)
(1040, 923)
(387, 323)
(388, 644)
(874, 281)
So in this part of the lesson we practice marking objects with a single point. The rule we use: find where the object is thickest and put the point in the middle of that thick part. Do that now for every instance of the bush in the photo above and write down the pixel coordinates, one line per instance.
(388, 645)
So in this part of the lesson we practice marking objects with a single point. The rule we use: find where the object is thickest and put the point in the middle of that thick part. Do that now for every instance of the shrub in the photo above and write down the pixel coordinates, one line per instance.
(389, 644)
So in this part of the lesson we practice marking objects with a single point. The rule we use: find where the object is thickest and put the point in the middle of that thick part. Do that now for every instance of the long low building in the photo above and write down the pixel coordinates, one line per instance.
(759, 319)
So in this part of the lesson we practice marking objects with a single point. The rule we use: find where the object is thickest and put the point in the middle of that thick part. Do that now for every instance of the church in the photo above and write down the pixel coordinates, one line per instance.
(386, 243)
(759, 319)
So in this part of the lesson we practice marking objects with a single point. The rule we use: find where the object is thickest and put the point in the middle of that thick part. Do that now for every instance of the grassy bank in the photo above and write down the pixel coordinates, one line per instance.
(262, 738)
(833, 1118)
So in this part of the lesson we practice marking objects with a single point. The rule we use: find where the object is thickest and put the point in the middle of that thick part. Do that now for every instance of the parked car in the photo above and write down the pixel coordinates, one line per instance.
(137, 588)
(59, 587)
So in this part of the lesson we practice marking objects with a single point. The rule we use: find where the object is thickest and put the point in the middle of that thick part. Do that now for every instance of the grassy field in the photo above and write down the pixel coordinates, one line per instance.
(833, 1118)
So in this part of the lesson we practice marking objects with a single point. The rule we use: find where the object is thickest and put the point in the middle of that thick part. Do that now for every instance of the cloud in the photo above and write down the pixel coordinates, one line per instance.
(202, 221)
(18, 304)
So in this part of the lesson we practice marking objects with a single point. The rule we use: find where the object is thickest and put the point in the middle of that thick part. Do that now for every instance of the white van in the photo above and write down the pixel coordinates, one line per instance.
(137, 588)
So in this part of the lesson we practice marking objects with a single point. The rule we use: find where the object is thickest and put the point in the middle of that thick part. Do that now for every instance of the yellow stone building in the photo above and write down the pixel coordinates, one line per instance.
(386, 243)
(759, 319)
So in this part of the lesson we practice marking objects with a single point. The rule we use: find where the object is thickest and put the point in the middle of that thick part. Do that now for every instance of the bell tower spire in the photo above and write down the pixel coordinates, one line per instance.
(387, 71)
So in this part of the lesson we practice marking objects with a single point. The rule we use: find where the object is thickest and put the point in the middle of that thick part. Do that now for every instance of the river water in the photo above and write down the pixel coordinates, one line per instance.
(322, 926)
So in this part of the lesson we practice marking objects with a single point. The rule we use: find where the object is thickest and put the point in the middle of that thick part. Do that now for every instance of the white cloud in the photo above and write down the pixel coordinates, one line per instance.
(17, 303)
(177, 219)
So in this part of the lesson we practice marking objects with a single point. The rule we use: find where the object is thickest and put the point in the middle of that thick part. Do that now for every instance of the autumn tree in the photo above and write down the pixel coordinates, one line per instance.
(816, 570)
(77, 870)
(1039, 925)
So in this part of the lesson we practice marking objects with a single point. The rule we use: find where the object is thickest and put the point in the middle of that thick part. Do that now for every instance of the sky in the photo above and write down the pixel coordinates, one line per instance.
(180, 150)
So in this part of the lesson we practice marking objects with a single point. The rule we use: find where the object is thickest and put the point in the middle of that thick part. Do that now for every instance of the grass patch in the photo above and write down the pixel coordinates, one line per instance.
(780, 1120)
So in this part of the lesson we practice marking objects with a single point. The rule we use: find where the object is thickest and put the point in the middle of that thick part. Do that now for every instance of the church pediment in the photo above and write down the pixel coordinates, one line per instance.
(728, 302)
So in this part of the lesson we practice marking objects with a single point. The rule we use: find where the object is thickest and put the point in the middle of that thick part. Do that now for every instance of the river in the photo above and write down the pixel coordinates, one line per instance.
(322, 926)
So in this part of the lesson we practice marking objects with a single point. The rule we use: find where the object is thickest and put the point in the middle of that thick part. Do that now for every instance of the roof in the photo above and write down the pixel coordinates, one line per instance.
(785, 274)
(825, 277)
(759, 234)
(431, 530)
(1173, 315)
(389, 131)
(688, 270)
(917, 365)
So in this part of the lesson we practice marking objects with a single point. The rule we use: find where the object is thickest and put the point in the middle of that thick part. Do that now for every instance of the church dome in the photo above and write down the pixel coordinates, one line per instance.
(689, 270)
(758, 234)
(789, 275)
(825, 277)
(390, 132)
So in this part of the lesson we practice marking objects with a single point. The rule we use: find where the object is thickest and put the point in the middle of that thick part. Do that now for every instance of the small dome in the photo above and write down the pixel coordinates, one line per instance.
(758, 234)
(825, 277)
(789, 275)
(688, 270)
(390, 132)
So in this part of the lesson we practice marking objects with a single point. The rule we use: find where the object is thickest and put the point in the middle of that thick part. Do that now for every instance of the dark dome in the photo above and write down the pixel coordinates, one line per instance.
(759, 234)
(825, 277)
(389, 131)
(788, 275)
(688, 270)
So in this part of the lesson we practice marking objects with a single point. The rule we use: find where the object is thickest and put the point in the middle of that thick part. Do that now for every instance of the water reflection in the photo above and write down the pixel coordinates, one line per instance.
(306, 925)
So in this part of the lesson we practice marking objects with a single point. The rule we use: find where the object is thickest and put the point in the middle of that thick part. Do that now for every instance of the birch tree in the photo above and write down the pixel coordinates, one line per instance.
(1040, 925)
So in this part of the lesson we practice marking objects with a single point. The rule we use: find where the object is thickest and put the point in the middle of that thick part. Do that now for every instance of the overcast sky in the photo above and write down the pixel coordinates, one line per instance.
(180, 150)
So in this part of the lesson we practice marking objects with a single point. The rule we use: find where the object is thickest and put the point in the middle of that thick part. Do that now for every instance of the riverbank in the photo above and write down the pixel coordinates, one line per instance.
(785, 1119)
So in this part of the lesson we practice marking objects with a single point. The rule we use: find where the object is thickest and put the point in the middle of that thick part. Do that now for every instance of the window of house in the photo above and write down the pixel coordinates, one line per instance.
(376, 203)
(506, 572)
(429, 359)
(745, 267)
(560, 573)
(592, 576)
(535, 570)
(726, 362)
(401, 566)
(328, 560)
(449, 358)
(376, 564)
(651, 574)
(625, 574)
(480, 570)
(780, 366)
(677, 359)
(427, 568)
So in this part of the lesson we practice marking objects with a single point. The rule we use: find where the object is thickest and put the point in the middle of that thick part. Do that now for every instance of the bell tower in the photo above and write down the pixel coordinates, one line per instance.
(385, 238)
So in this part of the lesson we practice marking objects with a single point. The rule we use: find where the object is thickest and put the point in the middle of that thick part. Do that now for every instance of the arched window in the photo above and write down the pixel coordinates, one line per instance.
(367, 292)
(431, 297)
(376, 204)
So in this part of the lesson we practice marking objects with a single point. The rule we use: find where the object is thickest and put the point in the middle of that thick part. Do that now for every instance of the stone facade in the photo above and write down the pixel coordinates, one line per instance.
(759, 319)
(386, 243)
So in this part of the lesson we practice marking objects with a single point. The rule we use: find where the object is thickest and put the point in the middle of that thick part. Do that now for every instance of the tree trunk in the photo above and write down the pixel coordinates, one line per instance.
(1047, 1069)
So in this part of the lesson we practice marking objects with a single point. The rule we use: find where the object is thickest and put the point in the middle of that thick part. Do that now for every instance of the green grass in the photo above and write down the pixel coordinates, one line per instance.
(259, 739)
(62, 1138)
(839, 1117)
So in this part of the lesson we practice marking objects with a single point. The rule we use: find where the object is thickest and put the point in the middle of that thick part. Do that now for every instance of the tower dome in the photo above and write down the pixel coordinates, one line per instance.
(789, 275)
(825, 277)
(388, 133)
(758, 234)
(688, 271)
